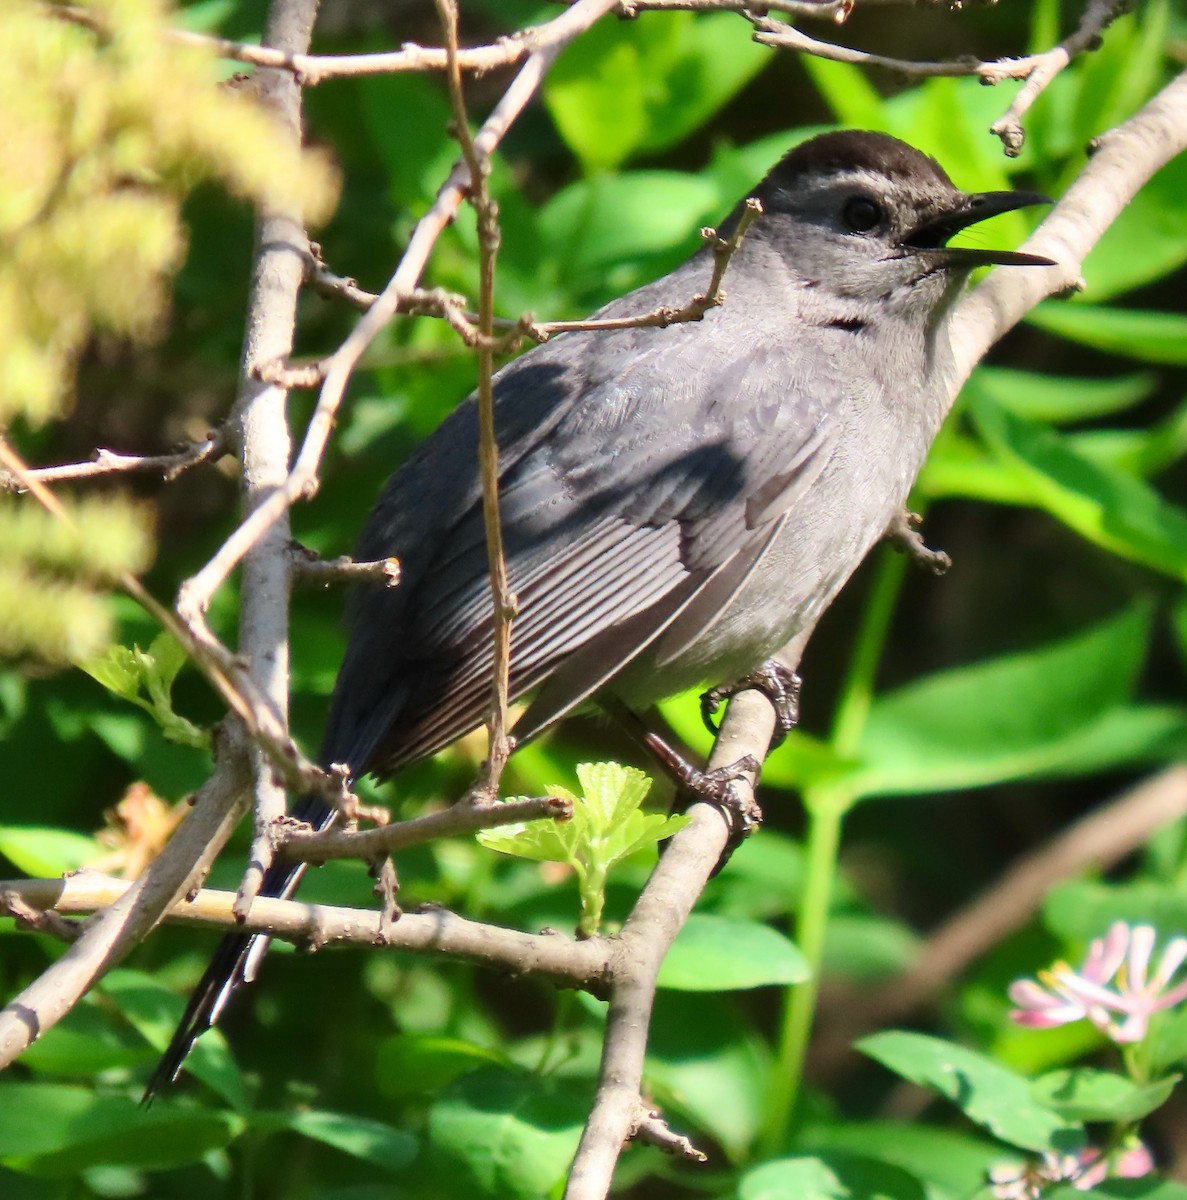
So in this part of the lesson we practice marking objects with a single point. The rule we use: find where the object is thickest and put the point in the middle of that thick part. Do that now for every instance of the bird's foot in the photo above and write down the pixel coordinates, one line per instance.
(780, 686)
(718, 787)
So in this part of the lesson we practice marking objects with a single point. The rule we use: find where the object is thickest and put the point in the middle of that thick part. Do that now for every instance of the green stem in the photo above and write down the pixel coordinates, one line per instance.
(826, 805)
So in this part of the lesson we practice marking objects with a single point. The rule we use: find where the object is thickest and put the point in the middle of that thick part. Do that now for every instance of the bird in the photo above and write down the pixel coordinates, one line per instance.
(677, 503)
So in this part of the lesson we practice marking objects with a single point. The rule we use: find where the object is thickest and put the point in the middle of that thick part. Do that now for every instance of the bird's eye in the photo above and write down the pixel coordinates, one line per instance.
(861, 214)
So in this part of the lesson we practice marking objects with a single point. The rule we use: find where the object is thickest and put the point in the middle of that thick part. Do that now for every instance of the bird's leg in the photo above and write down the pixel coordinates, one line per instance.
(780, 686)
(714, 787)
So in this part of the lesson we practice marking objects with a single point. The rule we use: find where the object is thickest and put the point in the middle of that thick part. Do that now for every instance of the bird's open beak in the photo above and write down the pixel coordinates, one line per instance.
(934, 233)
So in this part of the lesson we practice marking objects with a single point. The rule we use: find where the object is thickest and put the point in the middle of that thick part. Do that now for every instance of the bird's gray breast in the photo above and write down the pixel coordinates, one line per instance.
(881, 394)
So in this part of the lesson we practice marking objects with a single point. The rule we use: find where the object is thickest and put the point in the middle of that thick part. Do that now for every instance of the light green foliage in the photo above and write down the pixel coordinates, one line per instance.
(607, 825)
(101, 135)
(51, 569)
(145, 678)
(627, 89)
(989, 1094)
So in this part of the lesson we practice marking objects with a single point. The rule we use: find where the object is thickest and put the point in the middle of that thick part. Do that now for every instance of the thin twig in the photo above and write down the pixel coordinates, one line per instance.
(1098, 16)
(313, 69)
(1036, 69)
(650, 1127)
(503, 601)
(36, 920)
(107, 462)
(301, 844)
(902, 533)
(310, 568)
(437, 303)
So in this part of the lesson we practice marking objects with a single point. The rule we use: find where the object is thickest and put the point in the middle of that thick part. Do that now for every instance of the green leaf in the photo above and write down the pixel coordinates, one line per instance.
(45, 853)
(371, 1141)
(951, 1164)
(1084, 1094)
(865, 947)
(154, 1011)
(613, 230)
(1060, 399)
(1142, 451)
(1149, 1188)
(58, 1130)
(129, 672)
(508, 1135)
(606, 827)
(1018, 716)
(626, 88)
(829, 1177)
(707, 1067)
(1149, 336)
(721, 954)
(846, 90)
(988, 1093)
(1110, 508)
(424, 1064)
(1081, 910)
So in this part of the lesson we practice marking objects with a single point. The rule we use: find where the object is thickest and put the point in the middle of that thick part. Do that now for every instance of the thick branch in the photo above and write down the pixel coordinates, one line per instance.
(658, 916)
(259, 426)
(1125, 159)
(118, 928)
(552, 956)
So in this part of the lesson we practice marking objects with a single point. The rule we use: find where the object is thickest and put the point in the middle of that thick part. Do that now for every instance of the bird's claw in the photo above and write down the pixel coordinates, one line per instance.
(780, 686)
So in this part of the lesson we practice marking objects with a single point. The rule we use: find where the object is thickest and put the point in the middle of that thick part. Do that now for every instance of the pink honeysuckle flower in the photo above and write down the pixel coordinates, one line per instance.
(1083, 1170)
(1114, 989)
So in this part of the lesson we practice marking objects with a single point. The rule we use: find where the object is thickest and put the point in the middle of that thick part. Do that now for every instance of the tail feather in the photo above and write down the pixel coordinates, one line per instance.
(235, 961)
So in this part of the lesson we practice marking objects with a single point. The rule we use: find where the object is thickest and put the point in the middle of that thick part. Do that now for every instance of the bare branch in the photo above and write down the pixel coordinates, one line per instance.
(302, 844)
(313, 69)
(504, 604)
(658, 915)
(1036, 69)
(1098, 16)
(661, 318)
(36, 920)
(437, 303)
(649, 1126)
(140, 905)
(554, 957)
(107, 462)
(310, 568)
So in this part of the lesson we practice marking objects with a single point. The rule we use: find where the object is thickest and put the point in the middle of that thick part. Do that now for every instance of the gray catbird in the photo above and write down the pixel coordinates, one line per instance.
(677, 503)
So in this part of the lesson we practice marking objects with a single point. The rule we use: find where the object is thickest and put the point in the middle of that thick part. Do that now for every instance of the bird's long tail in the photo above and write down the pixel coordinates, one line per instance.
(236, 960)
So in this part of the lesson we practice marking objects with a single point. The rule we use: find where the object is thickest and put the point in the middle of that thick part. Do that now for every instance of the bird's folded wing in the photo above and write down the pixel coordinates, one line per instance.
(651, 497)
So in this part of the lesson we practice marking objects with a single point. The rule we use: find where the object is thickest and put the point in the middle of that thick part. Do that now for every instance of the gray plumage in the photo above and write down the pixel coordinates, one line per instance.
(677, 503)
